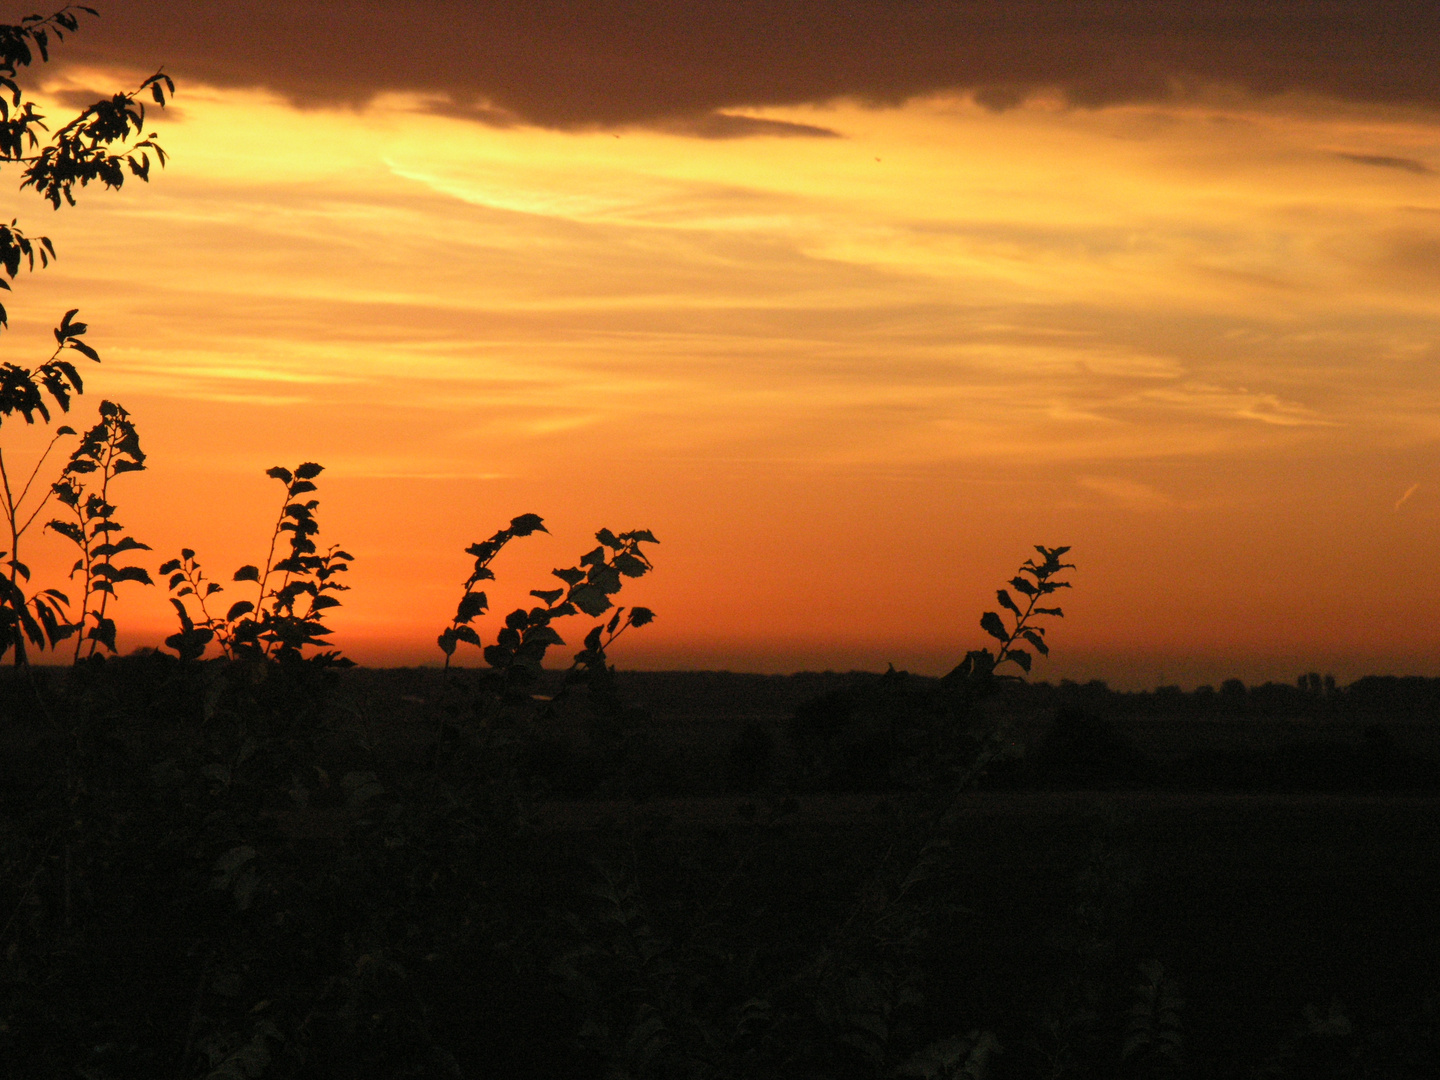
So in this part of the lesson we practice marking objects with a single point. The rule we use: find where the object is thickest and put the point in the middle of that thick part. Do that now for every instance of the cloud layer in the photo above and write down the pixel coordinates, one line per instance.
(580, 63)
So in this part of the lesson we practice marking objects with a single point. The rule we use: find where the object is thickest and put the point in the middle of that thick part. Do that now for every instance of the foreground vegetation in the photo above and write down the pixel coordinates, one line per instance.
(242, 868)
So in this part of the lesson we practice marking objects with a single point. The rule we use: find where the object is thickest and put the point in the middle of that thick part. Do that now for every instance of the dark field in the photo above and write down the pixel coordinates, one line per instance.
(1256, 903)
(317, 887)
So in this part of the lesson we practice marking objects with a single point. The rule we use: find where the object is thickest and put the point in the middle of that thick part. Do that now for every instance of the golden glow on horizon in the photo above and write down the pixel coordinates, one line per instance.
(848, 381)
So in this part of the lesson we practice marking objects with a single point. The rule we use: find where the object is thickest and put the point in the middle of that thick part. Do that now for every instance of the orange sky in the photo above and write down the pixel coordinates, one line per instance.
(847, 379)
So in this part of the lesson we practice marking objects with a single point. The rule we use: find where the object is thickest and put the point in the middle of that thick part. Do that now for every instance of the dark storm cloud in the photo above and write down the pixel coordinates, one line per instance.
(579, 63)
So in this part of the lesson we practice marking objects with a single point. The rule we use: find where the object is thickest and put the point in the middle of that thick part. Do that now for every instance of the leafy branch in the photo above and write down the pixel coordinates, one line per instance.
(473, 602)
(520, 647)
(187, 579)
(40, 619)
(1034, 582)
(526, 636)
(284, 619)
(96, 146)
(108, 449)
(83, 149)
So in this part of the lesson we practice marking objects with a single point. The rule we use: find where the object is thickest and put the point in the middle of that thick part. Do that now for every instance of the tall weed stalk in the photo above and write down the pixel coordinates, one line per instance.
(108, 449)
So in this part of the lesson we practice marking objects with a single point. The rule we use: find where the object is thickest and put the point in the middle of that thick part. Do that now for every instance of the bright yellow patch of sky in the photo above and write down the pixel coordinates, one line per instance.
(847, 381)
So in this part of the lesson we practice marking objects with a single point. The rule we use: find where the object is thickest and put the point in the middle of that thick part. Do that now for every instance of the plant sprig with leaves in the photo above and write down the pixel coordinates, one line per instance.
(474, 602)
(95, 146)
(108, 449)
(187, 579)
(517, 657)
(84, 149)
(284, 619)
(285, 626)
(40, 618)
(527, 634)
(1034, 581)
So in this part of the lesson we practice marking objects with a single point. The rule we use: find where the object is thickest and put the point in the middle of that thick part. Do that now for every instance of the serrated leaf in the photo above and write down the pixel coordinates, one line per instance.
(993, 625)
(589, 599)
(471, 604)
(1035, 639)
(629, 565)
(1023, 586)
(543, 635)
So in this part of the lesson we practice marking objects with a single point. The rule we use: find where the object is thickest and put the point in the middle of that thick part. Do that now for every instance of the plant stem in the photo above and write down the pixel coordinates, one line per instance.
(20, 658)
(85, 595)
(107, 474)
(269, 561)
(26, 490)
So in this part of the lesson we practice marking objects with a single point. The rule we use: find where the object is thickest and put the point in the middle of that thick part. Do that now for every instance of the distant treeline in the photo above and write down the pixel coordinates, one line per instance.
(720, 694)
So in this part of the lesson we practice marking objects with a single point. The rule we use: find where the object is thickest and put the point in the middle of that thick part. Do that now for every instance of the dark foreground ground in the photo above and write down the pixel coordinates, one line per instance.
(721, 881)
(1257, 904)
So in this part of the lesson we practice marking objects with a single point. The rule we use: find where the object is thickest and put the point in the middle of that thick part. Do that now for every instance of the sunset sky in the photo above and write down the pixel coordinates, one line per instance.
(850, 303)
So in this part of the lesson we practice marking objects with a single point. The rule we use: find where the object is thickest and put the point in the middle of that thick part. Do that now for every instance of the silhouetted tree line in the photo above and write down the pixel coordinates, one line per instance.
(717, 694)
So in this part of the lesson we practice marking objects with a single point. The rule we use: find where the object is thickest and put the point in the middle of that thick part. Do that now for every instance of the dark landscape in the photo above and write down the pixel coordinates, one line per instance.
(221, 871)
